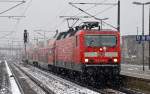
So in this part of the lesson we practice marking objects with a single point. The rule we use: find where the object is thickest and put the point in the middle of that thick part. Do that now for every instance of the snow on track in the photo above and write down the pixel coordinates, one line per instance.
(14, 86)
(57, 84)
(31, 84)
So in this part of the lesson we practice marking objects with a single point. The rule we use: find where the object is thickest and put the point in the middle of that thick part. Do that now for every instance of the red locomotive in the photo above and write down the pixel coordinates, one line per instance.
(86, 49)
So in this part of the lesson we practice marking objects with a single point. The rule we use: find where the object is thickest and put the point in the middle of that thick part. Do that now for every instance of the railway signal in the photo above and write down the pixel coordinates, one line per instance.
(25, 36)
(25, 44)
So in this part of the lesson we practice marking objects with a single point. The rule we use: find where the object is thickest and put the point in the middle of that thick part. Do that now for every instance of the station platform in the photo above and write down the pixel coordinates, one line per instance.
(135, 71)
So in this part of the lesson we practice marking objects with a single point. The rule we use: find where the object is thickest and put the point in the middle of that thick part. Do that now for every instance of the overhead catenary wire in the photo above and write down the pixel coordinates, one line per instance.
(5, 1)
(12, 7)
(56, 26)
(110, 7)
(92, 16)
(60, 23)
(28, 5)
(63, 21)
(91, 7)
(17, 23)
(95, 5)
(10, 33)
(17, 17)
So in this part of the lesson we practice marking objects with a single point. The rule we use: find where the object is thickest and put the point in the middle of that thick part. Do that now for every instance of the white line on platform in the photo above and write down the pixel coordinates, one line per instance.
(14, 86)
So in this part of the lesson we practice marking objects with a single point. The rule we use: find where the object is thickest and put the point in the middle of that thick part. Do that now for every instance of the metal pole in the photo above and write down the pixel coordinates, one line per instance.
(101, 25)
(118, 15)
(44, 39)
(12, 49)
(137, 30)
(149, 35)
(143, 34)
(25, 49)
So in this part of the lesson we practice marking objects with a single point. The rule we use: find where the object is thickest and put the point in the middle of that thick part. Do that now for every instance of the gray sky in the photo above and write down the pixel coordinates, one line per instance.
(44, 14)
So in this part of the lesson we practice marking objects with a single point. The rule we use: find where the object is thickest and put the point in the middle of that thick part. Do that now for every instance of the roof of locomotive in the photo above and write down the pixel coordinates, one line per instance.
(63, 35)
(87, 27)
(104, 31)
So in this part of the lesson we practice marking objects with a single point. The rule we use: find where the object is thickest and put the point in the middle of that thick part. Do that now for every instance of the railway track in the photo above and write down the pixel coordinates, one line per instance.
(28, 85)
(39, 88)
(72, 84)
(53, 84)
(121, 90)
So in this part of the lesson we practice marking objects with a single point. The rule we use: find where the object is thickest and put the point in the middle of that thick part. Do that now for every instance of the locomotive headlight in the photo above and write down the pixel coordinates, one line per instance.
(115, 60)
(86, 60)
(104, 48)
(101, 49)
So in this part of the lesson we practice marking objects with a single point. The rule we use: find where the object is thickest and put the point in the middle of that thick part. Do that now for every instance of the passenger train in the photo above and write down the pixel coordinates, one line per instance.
(85, 50)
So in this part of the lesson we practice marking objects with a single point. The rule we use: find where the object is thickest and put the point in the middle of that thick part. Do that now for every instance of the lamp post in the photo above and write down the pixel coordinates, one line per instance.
(143, 4)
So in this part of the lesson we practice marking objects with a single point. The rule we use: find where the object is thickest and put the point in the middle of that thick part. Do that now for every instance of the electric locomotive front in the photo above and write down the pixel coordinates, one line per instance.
(100, 51)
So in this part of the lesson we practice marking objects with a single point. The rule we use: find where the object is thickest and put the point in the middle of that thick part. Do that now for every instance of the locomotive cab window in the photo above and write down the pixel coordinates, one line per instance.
(100, 40)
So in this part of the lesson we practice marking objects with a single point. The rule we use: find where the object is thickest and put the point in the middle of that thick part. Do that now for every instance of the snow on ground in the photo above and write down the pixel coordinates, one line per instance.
(14, 86)
(36, 88)
(58, 86)
(4, 82)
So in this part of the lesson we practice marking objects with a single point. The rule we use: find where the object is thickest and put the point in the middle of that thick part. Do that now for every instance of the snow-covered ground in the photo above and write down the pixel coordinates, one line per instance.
(57, 84)
(135, 71)
(14, 86)
(30, 83)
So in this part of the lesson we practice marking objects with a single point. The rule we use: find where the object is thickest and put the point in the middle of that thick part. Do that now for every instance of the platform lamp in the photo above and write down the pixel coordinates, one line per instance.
(143, 4)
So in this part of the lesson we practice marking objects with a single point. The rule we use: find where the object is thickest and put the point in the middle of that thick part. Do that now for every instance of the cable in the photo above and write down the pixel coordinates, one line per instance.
(91, 7)
(104, 10)
(18, 21)
(91, 15)
(6, 35)
(29, 4)
(12, 7)
(72, 0)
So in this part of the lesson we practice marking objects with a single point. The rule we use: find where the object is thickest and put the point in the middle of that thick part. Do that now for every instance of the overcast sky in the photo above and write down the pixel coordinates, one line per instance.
(44, 14)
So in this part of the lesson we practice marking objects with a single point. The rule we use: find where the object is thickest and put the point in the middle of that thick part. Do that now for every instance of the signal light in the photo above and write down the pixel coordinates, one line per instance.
(104, 48)
(25, 36)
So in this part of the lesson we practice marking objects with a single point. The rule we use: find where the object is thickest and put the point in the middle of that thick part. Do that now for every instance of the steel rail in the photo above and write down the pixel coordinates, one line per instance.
(36, 81)
(20, 88)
